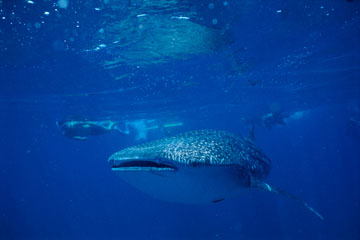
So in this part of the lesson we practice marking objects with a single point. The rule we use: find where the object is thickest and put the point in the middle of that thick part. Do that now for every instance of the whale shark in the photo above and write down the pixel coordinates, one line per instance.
(202, 166)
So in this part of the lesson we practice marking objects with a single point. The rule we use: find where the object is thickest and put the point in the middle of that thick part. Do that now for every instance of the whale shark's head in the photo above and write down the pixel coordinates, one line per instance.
(146, 157)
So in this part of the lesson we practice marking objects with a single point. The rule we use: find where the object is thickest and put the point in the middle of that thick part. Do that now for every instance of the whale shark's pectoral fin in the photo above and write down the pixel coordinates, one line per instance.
(217, 200)
(267, 187)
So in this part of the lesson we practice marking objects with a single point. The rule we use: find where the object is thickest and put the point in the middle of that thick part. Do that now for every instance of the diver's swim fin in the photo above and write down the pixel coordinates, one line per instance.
(124, 131)
(267, 187)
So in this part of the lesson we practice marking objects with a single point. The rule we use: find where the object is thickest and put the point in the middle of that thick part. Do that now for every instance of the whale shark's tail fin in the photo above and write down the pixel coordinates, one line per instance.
(267, 187)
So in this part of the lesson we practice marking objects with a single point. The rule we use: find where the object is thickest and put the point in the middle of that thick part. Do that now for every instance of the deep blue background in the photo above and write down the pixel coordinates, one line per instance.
(303, 60)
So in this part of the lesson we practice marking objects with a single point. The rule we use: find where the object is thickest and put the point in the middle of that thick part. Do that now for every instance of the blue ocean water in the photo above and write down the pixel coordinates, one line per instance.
(157, 68)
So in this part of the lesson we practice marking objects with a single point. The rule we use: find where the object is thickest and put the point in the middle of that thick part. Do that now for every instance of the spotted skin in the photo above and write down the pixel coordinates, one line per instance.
(205, 147)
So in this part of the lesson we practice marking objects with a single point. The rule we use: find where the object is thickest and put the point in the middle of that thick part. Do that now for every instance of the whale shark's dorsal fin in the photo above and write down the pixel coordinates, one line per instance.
(267, 187)
(252, 133)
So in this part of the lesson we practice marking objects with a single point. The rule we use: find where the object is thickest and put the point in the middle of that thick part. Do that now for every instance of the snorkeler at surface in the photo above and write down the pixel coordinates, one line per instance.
(269, 120)
(82, 129)
(274, 118)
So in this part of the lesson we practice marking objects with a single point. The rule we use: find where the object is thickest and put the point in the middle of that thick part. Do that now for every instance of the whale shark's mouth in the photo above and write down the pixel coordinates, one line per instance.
(141, 165)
